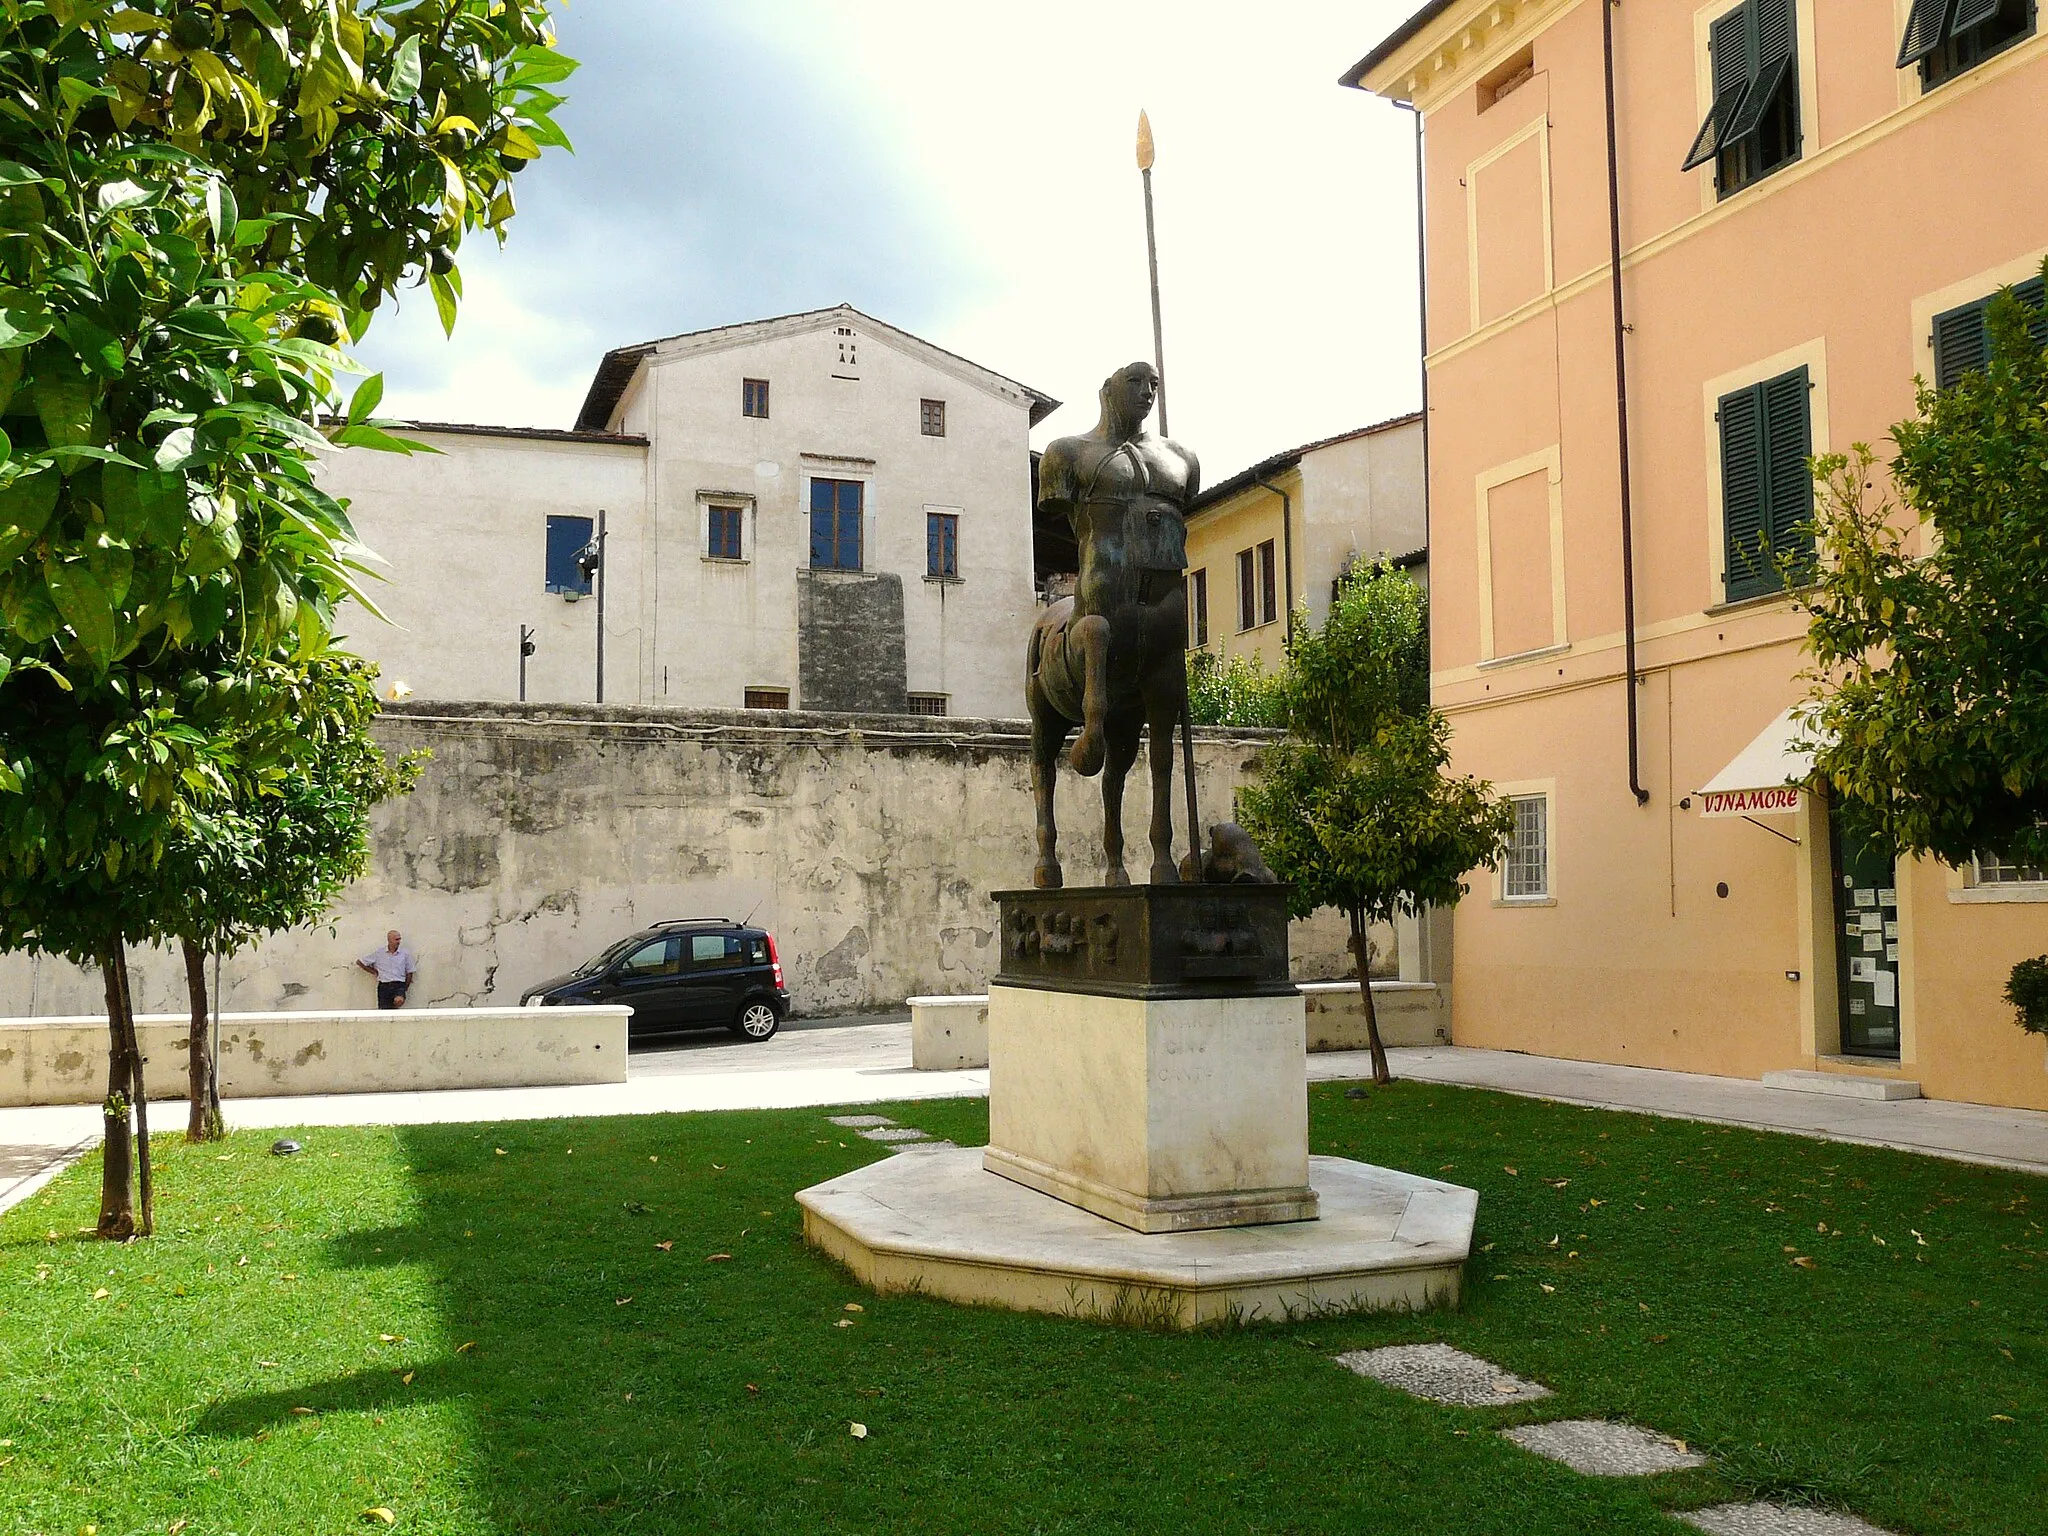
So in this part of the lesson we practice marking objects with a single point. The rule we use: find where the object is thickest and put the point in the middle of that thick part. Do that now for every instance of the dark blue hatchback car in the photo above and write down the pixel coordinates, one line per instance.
(689, 973)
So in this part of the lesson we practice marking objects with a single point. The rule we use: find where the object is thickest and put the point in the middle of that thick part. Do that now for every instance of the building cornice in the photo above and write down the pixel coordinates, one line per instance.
(1439, 47)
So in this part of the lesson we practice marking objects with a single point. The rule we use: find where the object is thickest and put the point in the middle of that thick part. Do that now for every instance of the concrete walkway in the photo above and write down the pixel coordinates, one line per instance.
(867, 1061)
(1970, 1133)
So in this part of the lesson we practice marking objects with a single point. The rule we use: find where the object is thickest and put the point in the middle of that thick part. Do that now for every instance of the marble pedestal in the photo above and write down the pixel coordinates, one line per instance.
(1163, 1114)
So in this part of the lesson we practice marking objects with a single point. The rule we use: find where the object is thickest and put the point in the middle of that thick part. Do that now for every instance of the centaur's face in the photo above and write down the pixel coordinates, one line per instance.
(1132, 392)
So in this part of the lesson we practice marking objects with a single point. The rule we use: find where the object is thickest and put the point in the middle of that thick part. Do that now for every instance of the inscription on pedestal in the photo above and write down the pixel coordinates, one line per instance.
(1153, 941)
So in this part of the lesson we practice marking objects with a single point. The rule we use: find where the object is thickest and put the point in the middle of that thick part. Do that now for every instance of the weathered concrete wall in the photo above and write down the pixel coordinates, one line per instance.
(850, 645)
(867, 844)
(64, 1060)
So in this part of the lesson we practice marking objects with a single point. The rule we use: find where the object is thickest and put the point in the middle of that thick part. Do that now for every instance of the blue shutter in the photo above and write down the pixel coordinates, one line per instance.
(848, 553)
(821, 525)
(566, 538)
(1924, 31)
(933, 562)
(1788, 483)
(1742, 491)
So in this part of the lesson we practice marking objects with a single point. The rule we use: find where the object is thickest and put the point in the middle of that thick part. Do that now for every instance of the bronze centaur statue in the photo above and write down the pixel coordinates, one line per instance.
(1111, 659)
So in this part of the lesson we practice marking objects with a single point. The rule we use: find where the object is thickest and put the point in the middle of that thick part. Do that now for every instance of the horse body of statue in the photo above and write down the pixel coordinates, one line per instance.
(1112, 658)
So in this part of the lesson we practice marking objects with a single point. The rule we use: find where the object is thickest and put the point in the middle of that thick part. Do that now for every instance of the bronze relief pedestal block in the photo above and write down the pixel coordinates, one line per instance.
(1148, 1055)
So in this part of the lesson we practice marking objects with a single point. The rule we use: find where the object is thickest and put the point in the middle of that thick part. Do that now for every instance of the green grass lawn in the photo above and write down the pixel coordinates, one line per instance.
(613, 1325)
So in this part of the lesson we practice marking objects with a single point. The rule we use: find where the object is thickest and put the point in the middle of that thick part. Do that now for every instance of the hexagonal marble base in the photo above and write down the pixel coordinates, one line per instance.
(937, 1222)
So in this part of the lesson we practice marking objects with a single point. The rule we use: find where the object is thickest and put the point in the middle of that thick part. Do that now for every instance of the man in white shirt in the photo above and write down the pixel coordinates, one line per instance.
(393, 967)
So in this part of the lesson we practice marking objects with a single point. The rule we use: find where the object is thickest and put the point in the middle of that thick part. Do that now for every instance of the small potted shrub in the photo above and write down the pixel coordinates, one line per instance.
(2028, 992)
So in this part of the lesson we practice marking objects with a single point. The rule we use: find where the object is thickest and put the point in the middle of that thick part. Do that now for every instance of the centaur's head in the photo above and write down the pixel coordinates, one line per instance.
(1127, 397)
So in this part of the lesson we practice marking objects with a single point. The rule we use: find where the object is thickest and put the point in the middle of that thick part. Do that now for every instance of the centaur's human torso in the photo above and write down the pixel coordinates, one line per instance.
(1126, 501)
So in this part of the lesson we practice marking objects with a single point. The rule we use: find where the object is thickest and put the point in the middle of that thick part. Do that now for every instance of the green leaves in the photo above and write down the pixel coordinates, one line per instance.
(79, 595)
(24, 318)
(1929, 685)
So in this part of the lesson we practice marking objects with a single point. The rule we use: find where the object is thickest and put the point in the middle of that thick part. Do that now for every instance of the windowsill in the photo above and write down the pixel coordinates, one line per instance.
(1262, 624)
(1525, 901)
(1760, 178)
(946, 581)
(1760, 601)
(835, 570)
(2016, 891)
(726, 560)
(1493, 663)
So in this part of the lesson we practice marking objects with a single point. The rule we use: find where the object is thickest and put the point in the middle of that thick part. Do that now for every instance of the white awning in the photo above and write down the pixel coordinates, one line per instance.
(1765, 777)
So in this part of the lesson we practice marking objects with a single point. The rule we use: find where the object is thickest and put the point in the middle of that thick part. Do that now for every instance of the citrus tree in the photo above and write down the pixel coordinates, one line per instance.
(1356, 808)
(200, 204)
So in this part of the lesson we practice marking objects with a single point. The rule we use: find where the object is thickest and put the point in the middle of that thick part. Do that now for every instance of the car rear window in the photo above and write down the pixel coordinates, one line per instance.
(716, 951)
(757, 950)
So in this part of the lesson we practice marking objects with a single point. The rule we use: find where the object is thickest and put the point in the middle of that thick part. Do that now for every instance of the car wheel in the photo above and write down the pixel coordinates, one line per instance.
(757, 1021)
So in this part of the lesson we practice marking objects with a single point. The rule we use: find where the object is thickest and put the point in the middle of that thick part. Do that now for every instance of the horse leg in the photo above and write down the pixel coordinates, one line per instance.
(1048, 735)
(1090, 636)
(1160, 729)
(1122, 752)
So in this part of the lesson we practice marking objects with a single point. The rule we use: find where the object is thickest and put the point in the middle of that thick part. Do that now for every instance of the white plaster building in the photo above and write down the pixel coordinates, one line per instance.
(818, 511)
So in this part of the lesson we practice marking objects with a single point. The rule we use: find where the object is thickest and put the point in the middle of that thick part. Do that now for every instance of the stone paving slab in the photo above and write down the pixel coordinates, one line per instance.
(1598, 1448)
(1443, 1375)
(893, 1133)
(1777, 1520)
(856, 1122)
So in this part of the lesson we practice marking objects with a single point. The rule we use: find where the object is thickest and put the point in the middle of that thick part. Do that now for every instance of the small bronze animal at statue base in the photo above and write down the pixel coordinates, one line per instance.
(1234, 859)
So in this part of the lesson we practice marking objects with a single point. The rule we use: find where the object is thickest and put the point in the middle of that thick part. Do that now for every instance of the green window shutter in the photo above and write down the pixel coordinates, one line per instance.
(1960, 343)
(1972, 13)
(1743, 492)
(1788, 483)
(1924, 31)
(1770, 54)
(1729, 44)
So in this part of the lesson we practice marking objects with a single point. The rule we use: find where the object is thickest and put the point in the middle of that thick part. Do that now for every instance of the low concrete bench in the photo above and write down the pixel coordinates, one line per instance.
(1409, 1012)
(949, 1034)
(400, 1050)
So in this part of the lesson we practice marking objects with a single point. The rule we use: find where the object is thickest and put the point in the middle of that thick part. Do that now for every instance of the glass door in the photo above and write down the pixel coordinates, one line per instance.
(1866, 944)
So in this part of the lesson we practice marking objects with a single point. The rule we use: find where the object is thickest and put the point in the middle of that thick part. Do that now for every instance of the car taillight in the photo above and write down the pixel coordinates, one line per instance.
(775, 960)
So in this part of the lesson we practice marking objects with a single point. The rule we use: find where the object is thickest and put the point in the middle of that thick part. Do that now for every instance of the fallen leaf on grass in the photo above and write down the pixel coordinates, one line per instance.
(858, 1431)
(716, 1258)
(1511, 1172)
(1918, 1238)
(844, 1322)
(177, 1526)
(463, 1349)
(499, 1150)
(101, 1294)
(381, 1515)
(753, 1389)
(302, 1412)
(406, 1379)
(1548, 1290)
(1806, 1261)
(719, 1166)
(1660, 1338)
(665, 1247)
(390, 1338)
(622, 1301)
(268, 1365)
(854, 1306)
(2003, 1418)
(654, 1159)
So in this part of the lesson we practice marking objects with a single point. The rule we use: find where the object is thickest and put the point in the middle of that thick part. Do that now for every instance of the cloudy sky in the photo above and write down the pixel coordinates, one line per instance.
(965, 172)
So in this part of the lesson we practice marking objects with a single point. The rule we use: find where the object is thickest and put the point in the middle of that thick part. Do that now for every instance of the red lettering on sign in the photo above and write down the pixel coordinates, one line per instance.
(1748, 802)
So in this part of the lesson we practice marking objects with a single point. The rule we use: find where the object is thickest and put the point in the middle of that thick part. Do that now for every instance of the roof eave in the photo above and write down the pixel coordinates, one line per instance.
(1357, 76)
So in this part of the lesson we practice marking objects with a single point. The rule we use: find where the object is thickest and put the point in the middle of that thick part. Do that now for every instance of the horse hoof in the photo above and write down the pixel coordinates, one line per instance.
(1086, 754)
(1047, 877)
(1163, 872)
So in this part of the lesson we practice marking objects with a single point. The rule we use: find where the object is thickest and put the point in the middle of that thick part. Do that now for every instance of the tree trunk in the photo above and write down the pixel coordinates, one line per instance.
(140, 1094)
(117, 1200)
(204, 1122)
(1361, 949)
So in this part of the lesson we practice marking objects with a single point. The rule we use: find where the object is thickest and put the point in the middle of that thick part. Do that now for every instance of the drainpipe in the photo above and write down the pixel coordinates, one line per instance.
(1286, 554)
(1628, 557)
(1422, 292)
